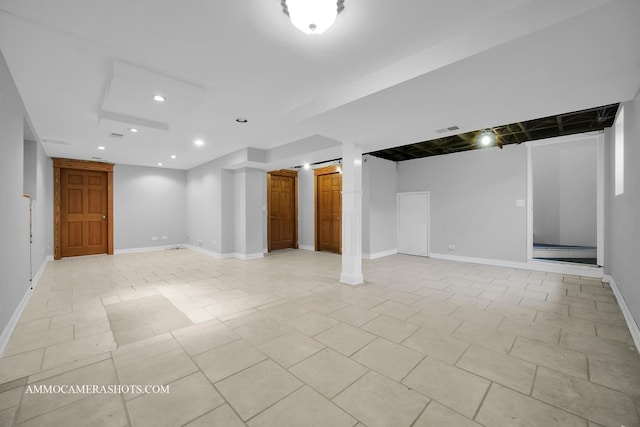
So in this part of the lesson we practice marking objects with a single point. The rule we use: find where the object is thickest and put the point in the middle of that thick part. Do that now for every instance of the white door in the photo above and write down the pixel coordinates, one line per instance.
(413, 223)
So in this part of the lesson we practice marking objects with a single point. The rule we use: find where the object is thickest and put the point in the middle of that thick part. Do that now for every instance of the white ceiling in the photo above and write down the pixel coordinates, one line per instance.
(388, 73)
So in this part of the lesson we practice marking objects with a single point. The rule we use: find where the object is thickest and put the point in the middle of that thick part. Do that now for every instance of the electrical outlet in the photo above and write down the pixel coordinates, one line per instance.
(154, 237)
(165, 237)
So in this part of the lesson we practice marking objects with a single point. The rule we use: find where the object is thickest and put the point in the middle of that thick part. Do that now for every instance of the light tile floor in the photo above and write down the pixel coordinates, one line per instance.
(279, 342)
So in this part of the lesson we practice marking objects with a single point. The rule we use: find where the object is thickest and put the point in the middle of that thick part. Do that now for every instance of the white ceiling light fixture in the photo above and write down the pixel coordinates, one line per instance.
(134, 130)
(173, 156)
(159, 98)
(312, 16)
(159, 164)
(199, 142)
(101, 147)
(487, 137)
(307, 166)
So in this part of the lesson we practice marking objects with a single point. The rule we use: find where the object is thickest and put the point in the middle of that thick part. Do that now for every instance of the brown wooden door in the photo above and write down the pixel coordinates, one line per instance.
(83, 211)
(282, 225)
(329, 212)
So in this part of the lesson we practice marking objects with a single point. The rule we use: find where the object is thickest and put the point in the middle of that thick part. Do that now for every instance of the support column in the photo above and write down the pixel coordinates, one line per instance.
(351, 215)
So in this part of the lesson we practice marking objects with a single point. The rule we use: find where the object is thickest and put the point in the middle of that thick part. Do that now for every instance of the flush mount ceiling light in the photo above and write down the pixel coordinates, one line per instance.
(134, 130)
(487, 137)
(312, 16)
(199, 142)
(101, 147)
(173, 156)
(159, 98)
(159, 164)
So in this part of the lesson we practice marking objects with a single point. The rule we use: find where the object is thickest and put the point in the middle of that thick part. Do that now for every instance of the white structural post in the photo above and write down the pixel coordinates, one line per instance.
(351, 215)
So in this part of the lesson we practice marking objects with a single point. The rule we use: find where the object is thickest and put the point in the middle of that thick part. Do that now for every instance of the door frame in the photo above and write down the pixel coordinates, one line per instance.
(59, 164)
(327, 170)
(409, 193)
(294, 175)
(600, 178)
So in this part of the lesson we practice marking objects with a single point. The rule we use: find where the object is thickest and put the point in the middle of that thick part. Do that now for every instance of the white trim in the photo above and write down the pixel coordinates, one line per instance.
(5, 336)
(546, 266)
(351, 279)
(306, 247)
(529, 203)
(40, 272)
(600, 200)
(244, 257)
(148, 249)
(204, 251)
(631, 322)
(380, 254)
(226, 255)
(559, 139)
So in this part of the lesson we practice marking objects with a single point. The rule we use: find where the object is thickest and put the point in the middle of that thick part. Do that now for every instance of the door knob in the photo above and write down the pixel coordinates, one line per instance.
(104, 217)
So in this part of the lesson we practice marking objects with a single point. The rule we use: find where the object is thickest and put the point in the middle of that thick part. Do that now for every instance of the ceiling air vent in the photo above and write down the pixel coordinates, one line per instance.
(116, 135)
(449, 129)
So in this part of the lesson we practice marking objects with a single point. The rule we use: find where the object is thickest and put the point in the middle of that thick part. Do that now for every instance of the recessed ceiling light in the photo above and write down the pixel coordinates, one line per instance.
(159, 98)
(134, 130)
(101, 148)
(159, 164)
(199, 142)
(173, 156)
(241, 120)
(307, 166)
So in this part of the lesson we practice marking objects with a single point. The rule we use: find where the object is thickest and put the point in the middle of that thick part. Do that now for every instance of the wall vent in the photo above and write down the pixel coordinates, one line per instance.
(116, 135)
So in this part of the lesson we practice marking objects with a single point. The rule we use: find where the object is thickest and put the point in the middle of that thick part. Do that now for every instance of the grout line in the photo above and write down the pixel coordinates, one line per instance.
(486, 393)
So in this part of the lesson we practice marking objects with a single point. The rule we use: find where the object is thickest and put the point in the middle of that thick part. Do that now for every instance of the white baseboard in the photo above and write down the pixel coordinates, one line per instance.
(380, 254)
(351, 279)
(204, 251)
(40, 272)
(244, 257)
(546, 266)
(628, 317)
(148, 249)
(306, 247)
(226, 255)
(5, 336)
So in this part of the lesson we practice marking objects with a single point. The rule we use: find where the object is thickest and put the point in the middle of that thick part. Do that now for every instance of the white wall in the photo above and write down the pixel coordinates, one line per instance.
(240, 212)
(204, 213)
(622, 212)
(564, 192)
(14, 208)
(306, 238)
(149, 202)
(473, 201)
(256, 208)
(379, 206)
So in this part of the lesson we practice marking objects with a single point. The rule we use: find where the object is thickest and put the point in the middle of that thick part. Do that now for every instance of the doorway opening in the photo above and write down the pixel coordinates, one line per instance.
(328, 209)
(566, 197)
(82, 208)
(282, 209)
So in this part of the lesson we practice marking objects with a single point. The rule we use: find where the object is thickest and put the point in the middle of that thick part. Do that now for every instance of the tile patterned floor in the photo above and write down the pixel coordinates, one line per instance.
(278, 342)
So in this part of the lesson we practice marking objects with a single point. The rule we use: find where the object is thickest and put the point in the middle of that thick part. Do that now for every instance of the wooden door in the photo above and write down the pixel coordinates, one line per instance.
(83, 212)
(329, 211)
(282, 206)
